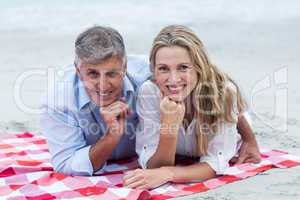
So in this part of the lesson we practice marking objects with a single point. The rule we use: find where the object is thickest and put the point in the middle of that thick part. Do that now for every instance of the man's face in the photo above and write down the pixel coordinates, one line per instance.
(103, 82)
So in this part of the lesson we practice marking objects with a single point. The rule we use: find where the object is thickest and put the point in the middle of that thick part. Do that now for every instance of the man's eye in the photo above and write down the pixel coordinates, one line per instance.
(112, 74)
(93, 74)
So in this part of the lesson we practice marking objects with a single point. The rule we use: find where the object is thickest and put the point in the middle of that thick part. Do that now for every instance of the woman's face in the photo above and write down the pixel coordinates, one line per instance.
(174, 72)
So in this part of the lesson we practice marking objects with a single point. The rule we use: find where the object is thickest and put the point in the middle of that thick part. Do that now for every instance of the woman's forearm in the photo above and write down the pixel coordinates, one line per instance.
(166, 150)
(196, 172)
(245, 130)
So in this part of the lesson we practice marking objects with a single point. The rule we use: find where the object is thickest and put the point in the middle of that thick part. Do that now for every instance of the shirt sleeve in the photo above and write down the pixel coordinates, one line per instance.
(147, 134)
(224, 144)
(69, 150)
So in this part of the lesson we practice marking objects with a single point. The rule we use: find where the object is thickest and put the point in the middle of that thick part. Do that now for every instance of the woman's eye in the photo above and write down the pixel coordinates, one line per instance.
(183, 67)
(162, 69)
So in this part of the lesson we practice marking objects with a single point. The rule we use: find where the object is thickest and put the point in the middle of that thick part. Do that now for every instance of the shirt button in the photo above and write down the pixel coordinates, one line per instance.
(220, 153)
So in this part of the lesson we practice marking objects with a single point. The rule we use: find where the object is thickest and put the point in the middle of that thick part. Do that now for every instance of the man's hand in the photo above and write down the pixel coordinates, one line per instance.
(114, 116)
(248, 153)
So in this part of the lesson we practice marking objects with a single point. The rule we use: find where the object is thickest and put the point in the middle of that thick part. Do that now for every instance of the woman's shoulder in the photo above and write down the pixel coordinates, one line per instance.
(231, 86)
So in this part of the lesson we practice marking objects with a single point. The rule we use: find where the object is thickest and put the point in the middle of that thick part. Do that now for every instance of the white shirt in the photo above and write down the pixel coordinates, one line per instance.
(222, 146)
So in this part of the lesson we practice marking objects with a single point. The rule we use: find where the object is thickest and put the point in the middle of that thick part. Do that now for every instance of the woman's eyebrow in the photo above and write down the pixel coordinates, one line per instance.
(185, 63)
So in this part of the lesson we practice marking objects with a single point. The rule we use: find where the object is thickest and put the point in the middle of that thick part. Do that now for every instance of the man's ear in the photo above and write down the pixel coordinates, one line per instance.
(77, 71)
(125, 65)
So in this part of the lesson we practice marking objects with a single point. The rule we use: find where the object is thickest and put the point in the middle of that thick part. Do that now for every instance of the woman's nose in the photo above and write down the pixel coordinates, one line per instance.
(174, 77)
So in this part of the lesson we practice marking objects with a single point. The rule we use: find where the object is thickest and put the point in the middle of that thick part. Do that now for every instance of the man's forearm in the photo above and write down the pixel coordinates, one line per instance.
(102, 150)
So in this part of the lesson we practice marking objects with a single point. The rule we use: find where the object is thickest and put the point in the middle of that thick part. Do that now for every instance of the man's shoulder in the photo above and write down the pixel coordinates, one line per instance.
(138, 68)
(61, 90)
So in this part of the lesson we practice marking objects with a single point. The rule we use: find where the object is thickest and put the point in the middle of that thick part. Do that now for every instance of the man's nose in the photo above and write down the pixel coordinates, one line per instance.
(103, 83)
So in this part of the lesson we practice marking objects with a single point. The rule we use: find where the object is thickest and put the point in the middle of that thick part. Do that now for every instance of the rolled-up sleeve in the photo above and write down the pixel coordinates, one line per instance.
(221, 148)
(224, 145)
(147, 135)
(70, 153)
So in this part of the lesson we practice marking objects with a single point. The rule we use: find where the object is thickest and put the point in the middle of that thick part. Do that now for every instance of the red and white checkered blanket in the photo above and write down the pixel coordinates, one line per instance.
(26, 173)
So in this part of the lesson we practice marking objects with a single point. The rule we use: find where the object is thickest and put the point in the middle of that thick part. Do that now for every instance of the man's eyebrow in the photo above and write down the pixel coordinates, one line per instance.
(113, 70)
(91, 69)
(160, 64)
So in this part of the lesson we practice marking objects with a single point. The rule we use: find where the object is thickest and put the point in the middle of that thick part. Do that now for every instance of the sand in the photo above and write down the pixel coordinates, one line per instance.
(257, 43)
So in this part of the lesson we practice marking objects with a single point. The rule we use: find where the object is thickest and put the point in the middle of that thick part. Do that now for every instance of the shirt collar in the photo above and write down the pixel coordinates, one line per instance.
(84, 99)
(128, 86)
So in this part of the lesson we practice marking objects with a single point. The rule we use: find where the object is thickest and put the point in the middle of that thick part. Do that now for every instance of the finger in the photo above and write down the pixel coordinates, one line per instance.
(234, 160)
(123, 99)
(161, 96)
(252, 160)
(164, 102)
(131, 173)
(143, 187)
(116, 104)
(118, 109)
(182, 106)
(136, 184)
(132, 179)
(128, 174)
(241, 159)
(165, 99)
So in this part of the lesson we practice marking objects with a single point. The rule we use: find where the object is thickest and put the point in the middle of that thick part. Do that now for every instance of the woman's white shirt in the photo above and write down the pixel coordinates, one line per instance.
(222, 146)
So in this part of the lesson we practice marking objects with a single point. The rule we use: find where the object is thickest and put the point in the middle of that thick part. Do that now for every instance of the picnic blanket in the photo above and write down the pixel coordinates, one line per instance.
(26, 173)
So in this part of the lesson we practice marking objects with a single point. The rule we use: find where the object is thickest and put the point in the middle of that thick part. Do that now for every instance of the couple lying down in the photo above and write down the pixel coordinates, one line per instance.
(109, 106)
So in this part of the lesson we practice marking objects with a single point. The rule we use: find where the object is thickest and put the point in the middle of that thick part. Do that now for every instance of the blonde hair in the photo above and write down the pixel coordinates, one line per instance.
(211, 99)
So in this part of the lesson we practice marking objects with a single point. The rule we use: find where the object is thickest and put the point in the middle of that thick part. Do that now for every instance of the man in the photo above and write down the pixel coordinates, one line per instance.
(90, 115)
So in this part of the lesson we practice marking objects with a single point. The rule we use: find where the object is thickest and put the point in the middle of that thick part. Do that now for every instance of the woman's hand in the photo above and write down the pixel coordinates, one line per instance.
(248, 153)
(147, 178)
(171, 112)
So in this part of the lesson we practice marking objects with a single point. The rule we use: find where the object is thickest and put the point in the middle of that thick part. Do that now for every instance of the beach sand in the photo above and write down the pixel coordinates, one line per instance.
(257, 43)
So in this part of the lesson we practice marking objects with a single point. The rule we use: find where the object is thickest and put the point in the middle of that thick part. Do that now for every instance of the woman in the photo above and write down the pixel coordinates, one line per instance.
(189, 108)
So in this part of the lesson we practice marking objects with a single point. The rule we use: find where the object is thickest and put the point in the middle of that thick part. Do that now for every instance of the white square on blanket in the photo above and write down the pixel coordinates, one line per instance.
(58, 186)
(96, 179)
(120, 192)
(40, 156)
(35, 175)
(291, 157)
(233, 171)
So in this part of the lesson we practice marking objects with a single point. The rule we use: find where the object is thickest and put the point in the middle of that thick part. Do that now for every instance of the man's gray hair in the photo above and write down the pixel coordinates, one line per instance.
(97, 44)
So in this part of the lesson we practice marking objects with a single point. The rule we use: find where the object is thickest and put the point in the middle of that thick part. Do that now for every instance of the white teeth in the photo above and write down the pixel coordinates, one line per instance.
(103, 94)
(176, 88)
